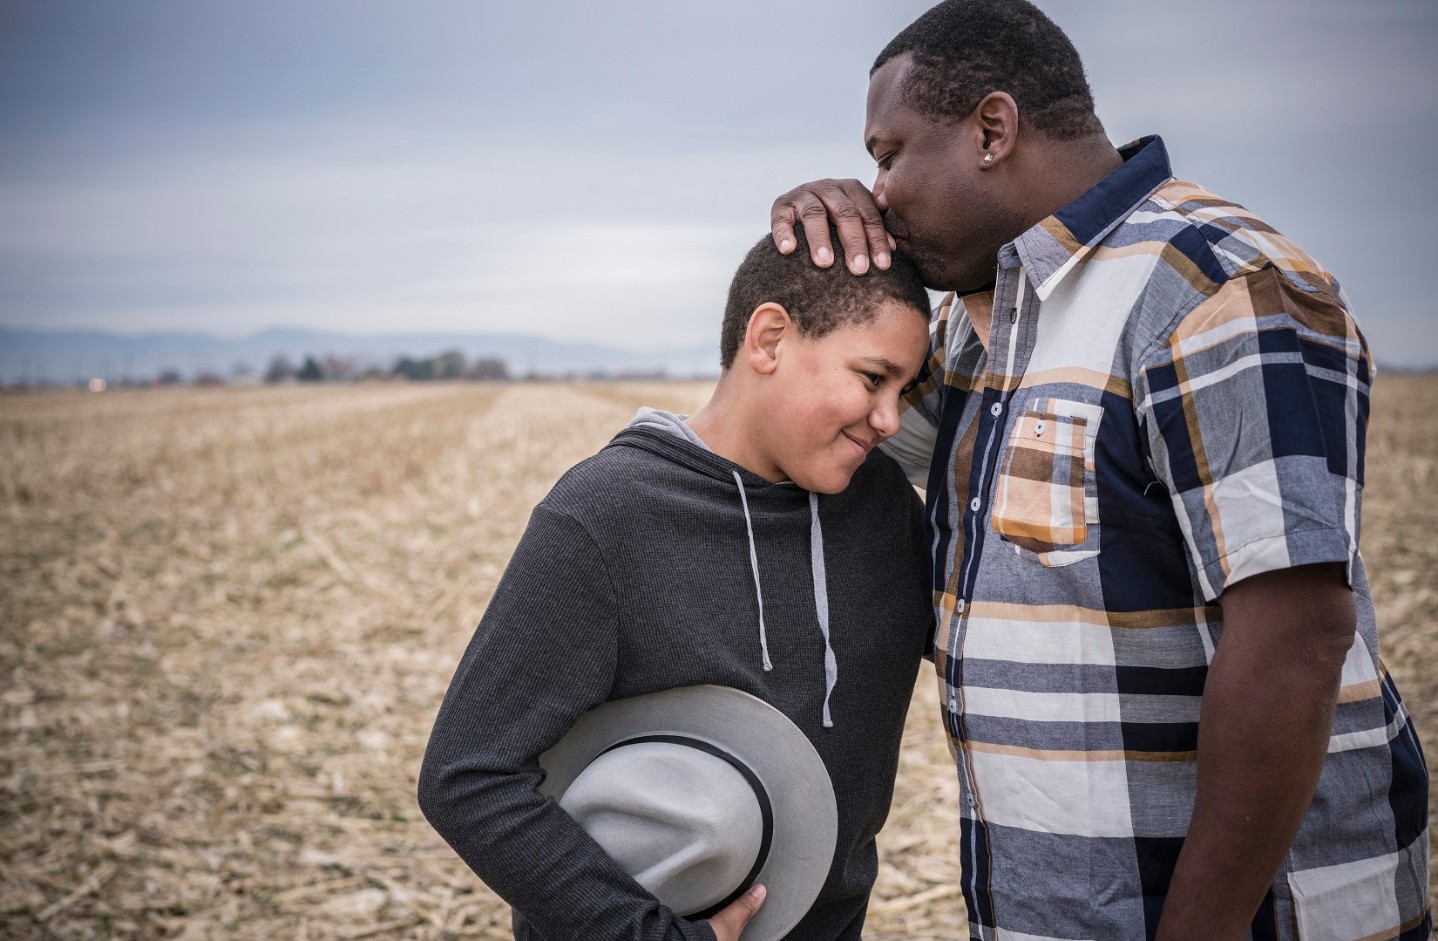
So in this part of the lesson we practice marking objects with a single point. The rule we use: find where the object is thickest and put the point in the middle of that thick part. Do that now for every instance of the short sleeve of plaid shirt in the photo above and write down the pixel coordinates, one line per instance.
(1255, 406)
(913, 445)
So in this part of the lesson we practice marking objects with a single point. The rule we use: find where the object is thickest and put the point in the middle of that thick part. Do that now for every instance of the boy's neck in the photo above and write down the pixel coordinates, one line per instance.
(727, 424)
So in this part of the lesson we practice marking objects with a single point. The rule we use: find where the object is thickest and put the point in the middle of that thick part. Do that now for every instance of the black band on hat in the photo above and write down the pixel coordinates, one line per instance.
(766, 810)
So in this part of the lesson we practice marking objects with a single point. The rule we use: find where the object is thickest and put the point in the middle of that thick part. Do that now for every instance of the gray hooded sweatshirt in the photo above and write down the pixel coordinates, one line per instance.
(656, 564)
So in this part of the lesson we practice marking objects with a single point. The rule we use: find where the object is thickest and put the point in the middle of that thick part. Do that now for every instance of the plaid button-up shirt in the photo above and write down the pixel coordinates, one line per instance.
(1173, 398)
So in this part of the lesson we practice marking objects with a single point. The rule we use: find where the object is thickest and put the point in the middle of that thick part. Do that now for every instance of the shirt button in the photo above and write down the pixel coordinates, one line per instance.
(1039, 429)
(974, 504)
(996, 409)
(953, 704)
(962, 605)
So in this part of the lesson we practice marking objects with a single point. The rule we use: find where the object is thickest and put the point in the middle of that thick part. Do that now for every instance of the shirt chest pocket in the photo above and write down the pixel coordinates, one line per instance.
(1047, 499)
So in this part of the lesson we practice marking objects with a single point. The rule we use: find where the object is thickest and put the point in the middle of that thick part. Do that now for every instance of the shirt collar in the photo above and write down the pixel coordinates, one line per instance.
(1058, 244)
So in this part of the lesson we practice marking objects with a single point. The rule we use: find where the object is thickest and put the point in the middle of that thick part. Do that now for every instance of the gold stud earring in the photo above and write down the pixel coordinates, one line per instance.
(988, 159)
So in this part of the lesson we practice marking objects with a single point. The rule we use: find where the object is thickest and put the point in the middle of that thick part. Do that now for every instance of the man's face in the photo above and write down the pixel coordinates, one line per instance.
(833, 398)
(936, 202)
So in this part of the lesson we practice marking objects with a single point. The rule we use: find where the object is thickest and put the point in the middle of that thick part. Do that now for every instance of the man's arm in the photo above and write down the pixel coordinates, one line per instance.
(913, 445)
(850, 206)
(1254, 407)
(1263, 733)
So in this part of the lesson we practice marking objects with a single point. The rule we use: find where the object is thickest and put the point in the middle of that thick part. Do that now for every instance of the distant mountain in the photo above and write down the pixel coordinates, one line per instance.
(67, 356)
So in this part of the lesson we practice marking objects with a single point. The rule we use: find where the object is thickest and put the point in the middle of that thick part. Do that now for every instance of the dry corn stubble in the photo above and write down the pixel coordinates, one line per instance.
(230, 615)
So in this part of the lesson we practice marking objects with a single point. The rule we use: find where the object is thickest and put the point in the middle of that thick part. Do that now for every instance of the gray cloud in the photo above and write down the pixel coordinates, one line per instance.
(595, 170)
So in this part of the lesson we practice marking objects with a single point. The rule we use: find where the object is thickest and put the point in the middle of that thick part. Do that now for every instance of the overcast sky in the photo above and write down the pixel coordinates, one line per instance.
(595, 171)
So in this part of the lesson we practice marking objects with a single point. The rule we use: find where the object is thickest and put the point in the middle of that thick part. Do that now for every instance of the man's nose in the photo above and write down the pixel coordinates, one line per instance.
(877, 189)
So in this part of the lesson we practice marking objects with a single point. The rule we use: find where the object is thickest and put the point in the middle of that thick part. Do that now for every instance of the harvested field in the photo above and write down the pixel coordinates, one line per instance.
(229, 616)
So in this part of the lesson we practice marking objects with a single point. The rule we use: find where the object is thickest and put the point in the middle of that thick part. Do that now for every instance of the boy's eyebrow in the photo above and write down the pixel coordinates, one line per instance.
(887, 367)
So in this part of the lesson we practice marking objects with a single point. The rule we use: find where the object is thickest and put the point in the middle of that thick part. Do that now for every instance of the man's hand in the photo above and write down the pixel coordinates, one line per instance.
(1263, 733)
(850, 206)
(729, 924)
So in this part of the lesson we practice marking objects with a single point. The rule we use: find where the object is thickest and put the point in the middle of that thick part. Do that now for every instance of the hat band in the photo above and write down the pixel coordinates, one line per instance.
(766, 810)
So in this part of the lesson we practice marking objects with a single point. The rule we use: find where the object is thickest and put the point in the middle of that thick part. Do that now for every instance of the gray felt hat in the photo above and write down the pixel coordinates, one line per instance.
(700, 792)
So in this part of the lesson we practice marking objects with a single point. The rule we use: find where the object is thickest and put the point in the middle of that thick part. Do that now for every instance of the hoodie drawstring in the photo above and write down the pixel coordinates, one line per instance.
(821, 590)
(754, 563)
(821, 601)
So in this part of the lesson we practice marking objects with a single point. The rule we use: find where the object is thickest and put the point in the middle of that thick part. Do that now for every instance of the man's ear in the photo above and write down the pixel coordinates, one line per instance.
(997, 117)
(769, 326)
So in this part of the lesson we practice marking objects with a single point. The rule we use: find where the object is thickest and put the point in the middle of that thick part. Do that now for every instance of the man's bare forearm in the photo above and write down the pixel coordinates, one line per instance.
(1263, 733)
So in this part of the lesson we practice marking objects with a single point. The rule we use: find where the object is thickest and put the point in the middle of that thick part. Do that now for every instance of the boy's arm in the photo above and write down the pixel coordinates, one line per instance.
(543, 654)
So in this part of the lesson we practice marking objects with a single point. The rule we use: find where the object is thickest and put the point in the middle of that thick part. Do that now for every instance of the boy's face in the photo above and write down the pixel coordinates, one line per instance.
(833, 398)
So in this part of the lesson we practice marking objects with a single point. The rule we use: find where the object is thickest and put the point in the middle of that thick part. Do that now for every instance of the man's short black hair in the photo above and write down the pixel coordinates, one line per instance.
(819, 300)
(964, 49)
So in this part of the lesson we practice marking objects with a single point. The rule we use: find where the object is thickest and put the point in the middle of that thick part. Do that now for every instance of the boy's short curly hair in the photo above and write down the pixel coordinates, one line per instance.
(819, 300)
(964, 49)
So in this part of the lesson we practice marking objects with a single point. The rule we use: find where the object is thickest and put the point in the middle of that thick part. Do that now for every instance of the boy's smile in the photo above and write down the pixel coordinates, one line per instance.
(831, 399)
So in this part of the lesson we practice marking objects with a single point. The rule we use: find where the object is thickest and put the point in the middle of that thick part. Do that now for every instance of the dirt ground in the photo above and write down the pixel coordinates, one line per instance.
(228, 617)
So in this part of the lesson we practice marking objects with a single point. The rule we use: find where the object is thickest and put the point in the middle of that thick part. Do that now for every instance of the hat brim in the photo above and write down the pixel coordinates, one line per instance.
(806, 819)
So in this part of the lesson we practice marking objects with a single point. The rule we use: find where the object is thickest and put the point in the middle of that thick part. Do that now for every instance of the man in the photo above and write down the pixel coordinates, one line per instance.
(1141, 434)
(763, 544)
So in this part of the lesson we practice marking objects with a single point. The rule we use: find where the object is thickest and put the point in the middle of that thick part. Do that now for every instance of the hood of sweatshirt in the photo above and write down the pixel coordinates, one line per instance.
(667, 435)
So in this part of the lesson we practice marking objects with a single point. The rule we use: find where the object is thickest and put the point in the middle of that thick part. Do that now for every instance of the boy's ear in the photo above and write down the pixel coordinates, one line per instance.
(769, 325)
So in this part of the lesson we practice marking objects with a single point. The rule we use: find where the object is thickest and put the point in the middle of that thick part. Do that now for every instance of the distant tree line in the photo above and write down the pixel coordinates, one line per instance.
(448, 365)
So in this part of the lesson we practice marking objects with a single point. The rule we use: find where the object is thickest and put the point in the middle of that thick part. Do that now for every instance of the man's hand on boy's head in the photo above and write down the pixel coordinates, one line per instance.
(729, 924)
(850, 206)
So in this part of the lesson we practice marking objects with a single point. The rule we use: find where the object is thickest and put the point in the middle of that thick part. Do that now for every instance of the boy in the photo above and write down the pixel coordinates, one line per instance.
(762, 544)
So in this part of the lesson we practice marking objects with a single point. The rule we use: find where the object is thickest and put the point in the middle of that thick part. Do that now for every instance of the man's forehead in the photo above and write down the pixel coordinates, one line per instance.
(886, 84)
(886, 99)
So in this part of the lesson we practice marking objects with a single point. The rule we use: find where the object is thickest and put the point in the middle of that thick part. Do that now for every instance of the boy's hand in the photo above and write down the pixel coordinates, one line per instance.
(729, 924)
